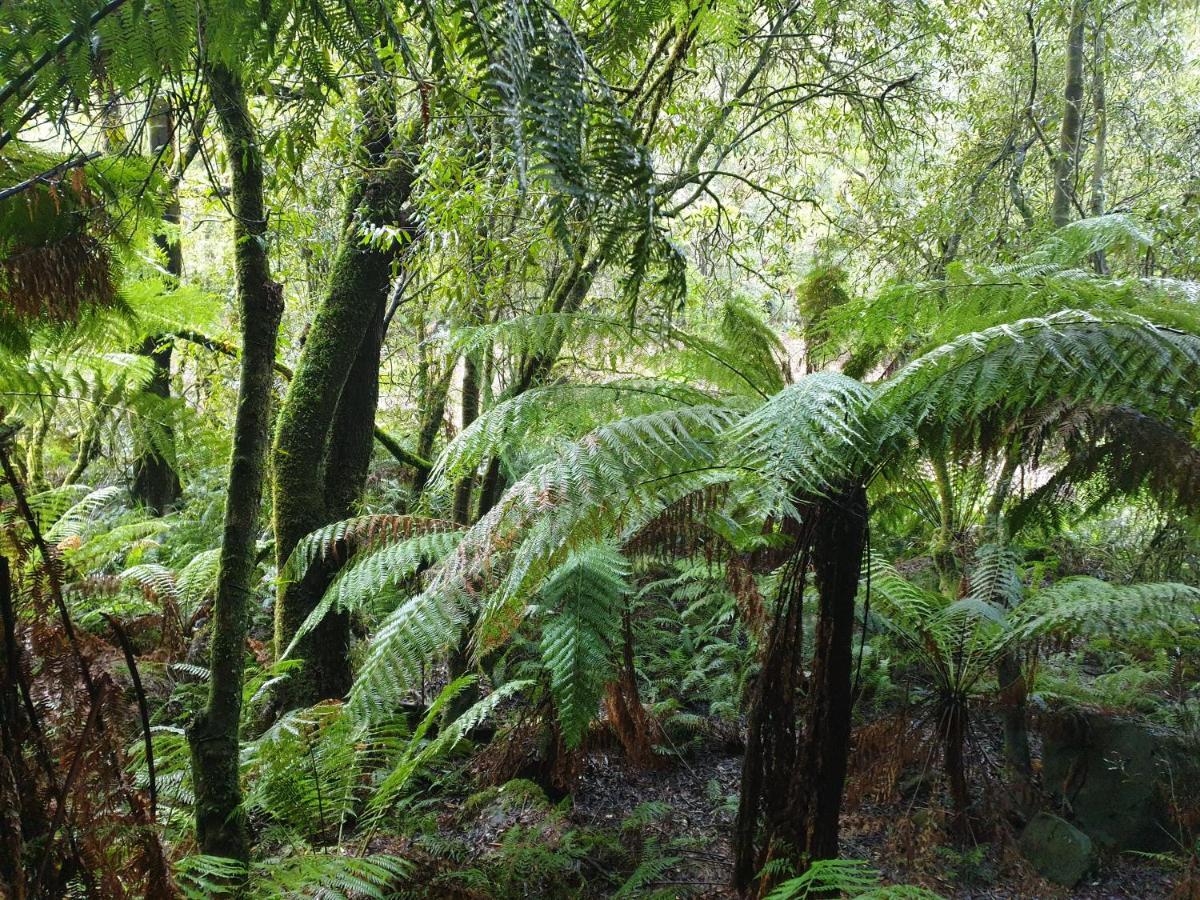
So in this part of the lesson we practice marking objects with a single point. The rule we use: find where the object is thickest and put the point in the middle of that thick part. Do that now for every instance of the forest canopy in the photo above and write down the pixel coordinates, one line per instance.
(509, 448)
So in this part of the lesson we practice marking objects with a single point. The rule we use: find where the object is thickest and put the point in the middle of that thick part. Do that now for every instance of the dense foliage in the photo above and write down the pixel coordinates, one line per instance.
(531, 448)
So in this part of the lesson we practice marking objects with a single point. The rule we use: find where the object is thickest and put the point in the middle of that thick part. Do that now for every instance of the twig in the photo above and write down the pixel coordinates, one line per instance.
(143, 707)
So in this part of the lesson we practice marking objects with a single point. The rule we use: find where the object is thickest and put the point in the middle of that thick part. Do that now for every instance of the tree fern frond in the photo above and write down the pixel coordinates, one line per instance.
(575, 408)
(810, 436)
(581, 603)
(1085, 605)
(375, 576)
(1071, 356)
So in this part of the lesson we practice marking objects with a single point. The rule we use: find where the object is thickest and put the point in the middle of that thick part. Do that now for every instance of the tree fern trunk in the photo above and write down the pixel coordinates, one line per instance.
(797, 780)
(954, 738)
(213, 736)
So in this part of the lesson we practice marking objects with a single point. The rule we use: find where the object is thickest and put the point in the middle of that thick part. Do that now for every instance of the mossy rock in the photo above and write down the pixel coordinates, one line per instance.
(1058, 850)
(1115, 774)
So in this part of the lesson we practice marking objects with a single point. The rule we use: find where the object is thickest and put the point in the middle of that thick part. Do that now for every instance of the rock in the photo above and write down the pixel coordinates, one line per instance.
(1058, 850)
(1114, 775)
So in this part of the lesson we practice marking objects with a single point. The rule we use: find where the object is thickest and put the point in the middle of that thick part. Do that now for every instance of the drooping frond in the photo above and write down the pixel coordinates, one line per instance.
(1114, 451)
(1086, 605)
(560, 410)
(1071, 356)
(305, 873)
(419, 751)
(606, 484)
(73, 521)
(338, 541)
(374, 578)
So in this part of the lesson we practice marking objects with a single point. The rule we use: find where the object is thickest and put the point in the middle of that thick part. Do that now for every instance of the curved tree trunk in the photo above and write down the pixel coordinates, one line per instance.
(213, 736)
(323, 440)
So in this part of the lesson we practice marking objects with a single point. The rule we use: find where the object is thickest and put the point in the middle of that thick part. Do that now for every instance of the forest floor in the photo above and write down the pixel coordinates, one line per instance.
(701, 791)
(694, 798)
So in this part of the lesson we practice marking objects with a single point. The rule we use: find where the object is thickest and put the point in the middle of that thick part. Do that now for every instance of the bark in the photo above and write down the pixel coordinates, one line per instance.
(155, 483)
(1013, 695)
(795, 780)
(623, 703)
(943, 554)
(1100, 138)
(1067, 158)
(213, 736)
(954, 738)
(470, 412)
(435, 391)
(1014, 186)
(326, 425)
(35, 457)
(1010, 673)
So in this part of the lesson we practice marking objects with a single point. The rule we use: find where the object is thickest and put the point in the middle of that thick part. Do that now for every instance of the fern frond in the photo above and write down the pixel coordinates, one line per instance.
(1085, 605)
(582, 604)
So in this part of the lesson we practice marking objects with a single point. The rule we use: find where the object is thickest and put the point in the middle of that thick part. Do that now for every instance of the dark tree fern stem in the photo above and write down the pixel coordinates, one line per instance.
(793, 777)
(213, 735)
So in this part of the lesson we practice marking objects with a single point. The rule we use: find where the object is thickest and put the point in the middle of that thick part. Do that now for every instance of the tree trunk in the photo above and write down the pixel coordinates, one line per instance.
(434, 394)
(797, 780)
(623, 703)
(326, 425)
(1068, 144)
(470, 412)
(213, 736)
(1100, 137)
(1013, 695)
(155, 484)
(954, 738)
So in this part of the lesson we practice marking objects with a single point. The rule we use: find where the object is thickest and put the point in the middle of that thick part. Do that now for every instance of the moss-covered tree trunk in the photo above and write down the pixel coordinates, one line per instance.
(213, 736)
(323, 440)
(155, 484)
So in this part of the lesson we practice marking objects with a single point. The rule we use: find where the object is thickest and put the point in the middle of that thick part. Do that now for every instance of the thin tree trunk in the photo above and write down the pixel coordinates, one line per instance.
(155, 482)
(1014, 186)
(470, 412)
(323, 440)
(1100, 137)
(35, 456)
(1068, 145)
(435, 393)
(213, 736)
(944, 558)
